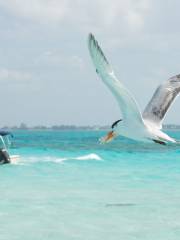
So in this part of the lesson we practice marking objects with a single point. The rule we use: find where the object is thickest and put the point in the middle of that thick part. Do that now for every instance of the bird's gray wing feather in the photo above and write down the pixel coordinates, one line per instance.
(161, 101)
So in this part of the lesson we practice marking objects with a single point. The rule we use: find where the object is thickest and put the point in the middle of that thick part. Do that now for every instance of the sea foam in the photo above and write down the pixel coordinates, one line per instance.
(35, 159)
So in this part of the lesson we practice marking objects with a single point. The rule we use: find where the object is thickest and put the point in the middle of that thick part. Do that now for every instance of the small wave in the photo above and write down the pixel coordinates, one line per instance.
(91, 156)
(34, 159)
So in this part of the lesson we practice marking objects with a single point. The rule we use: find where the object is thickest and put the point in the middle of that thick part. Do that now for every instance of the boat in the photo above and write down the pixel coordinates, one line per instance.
(5, 143)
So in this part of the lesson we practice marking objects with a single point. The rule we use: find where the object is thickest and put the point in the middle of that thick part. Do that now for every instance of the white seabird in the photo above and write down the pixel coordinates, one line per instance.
(141, 127)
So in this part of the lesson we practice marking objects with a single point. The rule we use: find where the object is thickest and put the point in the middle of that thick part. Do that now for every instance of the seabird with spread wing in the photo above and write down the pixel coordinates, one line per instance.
(144, 127)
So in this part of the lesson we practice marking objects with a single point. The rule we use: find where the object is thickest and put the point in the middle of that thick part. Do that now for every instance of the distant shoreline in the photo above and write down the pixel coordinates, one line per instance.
(23, 126)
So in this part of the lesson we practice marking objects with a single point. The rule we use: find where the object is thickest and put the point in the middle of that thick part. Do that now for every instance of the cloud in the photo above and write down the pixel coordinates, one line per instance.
(37, 10)
(57, 59)
(12, 75)
(82, 13)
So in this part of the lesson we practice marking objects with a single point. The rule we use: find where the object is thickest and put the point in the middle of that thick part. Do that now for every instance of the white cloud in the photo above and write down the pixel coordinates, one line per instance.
(37, 10)
(12, 75)
(82, 13)
(55, 59)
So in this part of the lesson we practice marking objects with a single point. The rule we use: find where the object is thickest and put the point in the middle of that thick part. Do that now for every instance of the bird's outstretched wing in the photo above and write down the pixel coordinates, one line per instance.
(161, 101)
(128, 106)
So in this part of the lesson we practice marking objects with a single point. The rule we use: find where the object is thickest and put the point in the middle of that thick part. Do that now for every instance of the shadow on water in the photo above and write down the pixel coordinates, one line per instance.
(120, 205)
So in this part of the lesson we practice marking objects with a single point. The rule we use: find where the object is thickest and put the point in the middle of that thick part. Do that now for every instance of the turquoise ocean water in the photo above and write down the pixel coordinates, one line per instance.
(67, 186)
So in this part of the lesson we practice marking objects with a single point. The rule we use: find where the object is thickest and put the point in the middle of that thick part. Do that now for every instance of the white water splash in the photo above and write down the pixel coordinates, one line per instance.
(91, 156)
(14, 159)
(34, 159)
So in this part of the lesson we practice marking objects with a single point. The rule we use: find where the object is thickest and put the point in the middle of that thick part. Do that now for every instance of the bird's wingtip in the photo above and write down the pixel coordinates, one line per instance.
(91, 37)
(91, 40)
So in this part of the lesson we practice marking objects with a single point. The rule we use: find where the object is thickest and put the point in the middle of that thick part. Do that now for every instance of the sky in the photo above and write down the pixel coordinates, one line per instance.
(46, 73)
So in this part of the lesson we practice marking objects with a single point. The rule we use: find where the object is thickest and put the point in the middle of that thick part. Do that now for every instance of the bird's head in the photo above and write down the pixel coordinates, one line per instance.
(113, 133)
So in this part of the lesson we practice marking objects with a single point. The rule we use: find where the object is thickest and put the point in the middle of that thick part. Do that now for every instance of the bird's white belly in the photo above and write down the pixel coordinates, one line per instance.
(143, 133)
(135, 132)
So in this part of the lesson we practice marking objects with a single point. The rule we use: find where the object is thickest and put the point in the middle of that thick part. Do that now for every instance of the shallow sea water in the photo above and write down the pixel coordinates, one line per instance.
(67, 186)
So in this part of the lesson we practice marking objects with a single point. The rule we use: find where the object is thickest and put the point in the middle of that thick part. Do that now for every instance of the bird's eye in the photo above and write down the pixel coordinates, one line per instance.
(115, 123)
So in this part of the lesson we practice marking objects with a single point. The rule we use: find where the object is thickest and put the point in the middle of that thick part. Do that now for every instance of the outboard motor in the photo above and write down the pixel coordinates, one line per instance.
(4, 156)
